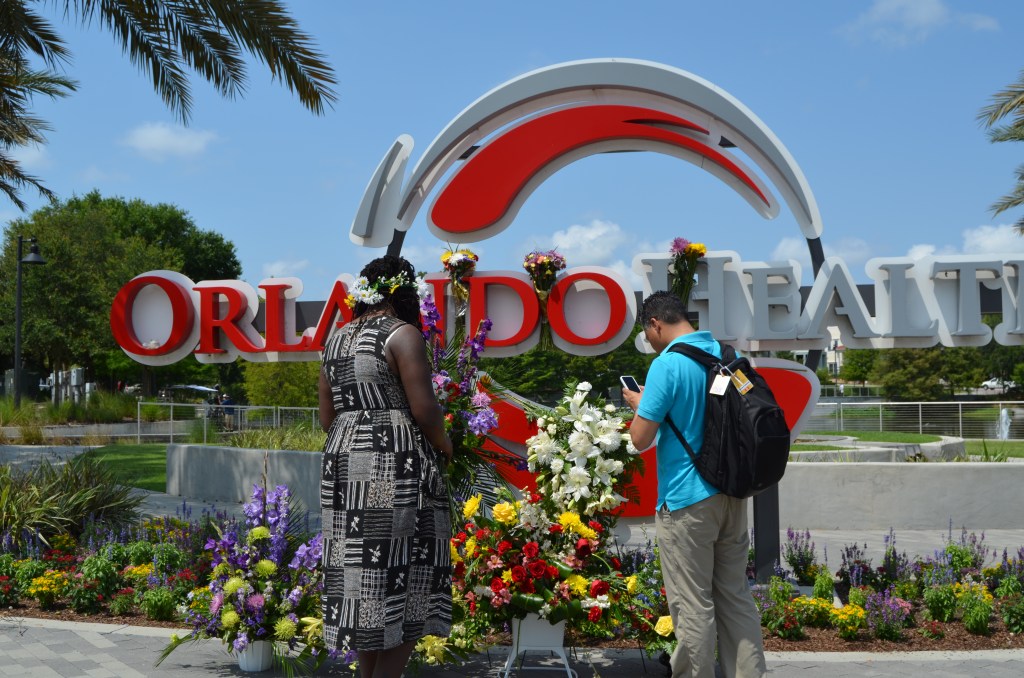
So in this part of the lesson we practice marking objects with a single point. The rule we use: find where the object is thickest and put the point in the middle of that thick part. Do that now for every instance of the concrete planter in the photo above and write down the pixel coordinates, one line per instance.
(227, 474)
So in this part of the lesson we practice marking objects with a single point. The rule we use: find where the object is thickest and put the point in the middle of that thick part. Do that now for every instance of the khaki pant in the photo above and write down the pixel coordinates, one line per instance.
(703, 551)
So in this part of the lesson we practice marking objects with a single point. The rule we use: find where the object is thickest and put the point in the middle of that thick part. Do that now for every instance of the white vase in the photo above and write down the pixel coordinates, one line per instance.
(533, 634)
(257, 656)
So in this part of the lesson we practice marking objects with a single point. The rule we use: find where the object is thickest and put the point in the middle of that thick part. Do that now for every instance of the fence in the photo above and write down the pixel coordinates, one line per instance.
(202, 422)
(960, 419)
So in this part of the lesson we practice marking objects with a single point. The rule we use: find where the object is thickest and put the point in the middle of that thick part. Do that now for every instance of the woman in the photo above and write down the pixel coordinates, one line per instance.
(386, 555)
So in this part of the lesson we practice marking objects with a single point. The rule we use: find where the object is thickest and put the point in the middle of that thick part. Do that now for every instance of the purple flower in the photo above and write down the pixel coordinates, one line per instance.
(255, 602)
(481, 399)
(241, 642)
(482, 422)
(217, 603)
(679, 245)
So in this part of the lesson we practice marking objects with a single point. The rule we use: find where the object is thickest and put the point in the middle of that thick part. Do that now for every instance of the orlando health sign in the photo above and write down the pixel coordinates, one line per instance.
(481, 168)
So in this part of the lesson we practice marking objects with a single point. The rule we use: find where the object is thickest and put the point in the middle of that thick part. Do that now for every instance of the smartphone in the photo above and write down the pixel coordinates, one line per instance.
(629, 383)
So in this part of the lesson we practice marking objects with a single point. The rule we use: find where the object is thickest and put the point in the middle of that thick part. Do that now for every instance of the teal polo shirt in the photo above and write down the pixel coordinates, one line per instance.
(675, 385)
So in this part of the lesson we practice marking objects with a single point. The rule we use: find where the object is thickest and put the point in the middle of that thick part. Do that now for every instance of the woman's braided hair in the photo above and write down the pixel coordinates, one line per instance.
(404, 303)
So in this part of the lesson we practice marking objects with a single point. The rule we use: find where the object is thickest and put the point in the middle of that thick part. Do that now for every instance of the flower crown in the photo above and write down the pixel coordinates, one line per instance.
(372, 293)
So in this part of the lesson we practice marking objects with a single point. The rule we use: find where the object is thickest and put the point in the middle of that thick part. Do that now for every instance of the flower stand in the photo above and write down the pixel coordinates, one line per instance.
(532, 633)
(257, 656)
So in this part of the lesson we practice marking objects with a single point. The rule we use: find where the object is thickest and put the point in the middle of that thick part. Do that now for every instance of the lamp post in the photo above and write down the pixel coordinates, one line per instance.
(32, 258)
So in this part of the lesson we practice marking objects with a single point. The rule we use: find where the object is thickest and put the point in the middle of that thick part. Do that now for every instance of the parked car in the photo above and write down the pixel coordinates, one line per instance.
(995, 382)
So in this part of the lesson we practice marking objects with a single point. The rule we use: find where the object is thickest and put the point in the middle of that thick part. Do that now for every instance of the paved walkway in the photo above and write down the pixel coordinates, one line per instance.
(44, 648)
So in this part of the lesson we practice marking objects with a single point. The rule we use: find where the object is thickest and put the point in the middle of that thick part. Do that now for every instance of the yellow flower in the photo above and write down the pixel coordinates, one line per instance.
(577, 584)
(456, 558)
(471, 506)
(506, 576)
(350, 301)
(568, 520)
(631, 584)
(696, 248)
(505, 513)
(470, 547)
(584, 531)
(432, 648)
(265, 568)
(664, 626)
(284, 629)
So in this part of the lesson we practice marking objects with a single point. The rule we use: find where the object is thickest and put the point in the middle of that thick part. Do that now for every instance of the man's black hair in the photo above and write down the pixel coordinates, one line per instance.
(665, 306)
(404, 301)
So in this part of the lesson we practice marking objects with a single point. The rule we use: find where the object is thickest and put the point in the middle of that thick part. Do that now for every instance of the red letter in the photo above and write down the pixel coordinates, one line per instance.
(121, 310)
(276, 326)
(336, 304)
(209, 322)
(616, 310)
(478, 285)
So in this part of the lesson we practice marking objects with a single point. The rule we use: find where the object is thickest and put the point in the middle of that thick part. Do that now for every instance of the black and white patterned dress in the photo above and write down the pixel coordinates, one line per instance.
(386, 553)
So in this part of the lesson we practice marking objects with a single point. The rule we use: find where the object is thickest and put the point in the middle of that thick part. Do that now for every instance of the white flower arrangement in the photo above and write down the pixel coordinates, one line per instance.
(580, 452)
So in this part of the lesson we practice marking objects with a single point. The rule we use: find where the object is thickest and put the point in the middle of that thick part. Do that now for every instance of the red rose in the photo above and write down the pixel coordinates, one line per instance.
(481, 535)
(472, 607)
(552, 572)
(460, 537)
(504, 545)
(598, 588)
(534, 497)
(460, 570)
(616, 563)
(519, 574)
(555, 529)
(583, 548)
(531, 549)
(497, 585)
(538, 568)
(596, 526)
(595, 614)
(527, 586)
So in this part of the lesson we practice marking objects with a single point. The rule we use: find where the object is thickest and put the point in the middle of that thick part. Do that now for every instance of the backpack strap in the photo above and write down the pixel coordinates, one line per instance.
(708, 360)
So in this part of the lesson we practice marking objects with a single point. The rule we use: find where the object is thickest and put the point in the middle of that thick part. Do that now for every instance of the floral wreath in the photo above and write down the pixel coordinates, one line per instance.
(372, 293)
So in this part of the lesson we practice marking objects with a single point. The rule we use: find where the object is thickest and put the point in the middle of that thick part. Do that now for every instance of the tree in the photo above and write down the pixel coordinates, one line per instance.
(541, 375)
(163, 38)
(93, 246)
(1009, 102)
(909, 373)
(857, 364)
(285, 383)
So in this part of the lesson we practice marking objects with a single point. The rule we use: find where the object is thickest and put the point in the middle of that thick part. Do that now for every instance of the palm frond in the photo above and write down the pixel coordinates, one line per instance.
(1006, 133)
(1014, 198)
(22, 29)
(1009, 101)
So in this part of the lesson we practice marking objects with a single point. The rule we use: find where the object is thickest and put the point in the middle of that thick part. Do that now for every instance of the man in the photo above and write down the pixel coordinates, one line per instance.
(702, 534)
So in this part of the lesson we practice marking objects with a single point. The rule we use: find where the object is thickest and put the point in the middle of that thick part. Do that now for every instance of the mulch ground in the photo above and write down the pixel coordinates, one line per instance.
(817, 640)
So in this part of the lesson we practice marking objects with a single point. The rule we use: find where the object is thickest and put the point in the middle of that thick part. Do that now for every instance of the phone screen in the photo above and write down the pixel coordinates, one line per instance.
(629, 383)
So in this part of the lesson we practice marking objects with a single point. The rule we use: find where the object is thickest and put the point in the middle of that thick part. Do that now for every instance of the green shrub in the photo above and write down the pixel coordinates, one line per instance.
(123, 602)
(116, 553)
(940, 602)
(6, 565)
(26, 571)
(1008, 588)
(140, 553)
(824, 585)
(169, 558)
(976, 616)
(859, 595)
(780, 590)
(1013, 614)
(102, 571)
(84, 595)
(158, 604)
(31, 434)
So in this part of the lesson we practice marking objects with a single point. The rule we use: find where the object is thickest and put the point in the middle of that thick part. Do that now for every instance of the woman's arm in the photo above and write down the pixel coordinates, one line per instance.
(408, 356)
(326, 403)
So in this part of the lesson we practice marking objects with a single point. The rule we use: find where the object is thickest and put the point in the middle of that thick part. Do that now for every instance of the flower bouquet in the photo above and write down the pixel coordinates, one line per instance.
(265, 586)
(459, 264)
(543, 268)
(520, 560)
(683, 268)
(582, 453)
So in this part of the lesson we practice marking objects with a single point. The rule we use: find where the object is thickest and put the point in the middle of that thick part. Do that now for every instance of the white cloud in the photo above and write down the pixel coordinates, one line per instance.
(595, 243)
(901, 23)
(283, 268)
(792, 248)
(158, 140)
(32, 157)
(853, 251)
(992, 240)
(921, 251)
(625, 269)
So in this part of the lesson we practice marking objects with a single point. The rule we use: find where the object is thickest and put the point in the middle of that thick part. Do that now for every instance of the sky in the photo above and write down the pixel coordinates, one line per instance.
(877, 100)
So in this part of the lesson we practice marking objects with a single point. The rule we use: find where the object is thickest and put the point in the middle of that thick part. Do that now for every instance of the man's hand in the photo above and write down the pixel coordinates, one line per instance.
(632, 398)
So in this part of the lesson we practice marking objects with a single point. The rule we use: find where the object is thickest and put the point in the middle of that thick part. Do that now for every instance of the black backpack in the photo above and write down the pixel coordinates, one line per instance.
(746, 439)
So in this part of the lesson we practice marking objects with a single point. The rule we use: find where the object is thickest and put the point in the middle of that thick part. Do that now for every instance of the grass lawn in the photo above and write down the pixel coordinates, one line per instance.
(811, 447)
(1011, 448)
(881, 436)
(143, 466)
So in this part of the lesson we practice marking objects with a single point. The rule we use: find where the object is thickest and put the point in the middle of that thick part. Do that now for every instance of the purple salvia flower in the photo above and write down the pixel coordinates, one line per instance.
(679, 245)
(483, 422)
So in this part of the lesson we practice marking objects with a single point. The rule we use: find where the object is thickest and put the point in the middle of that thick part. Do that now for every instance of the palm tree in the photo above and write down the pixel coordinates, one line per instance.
(164, 38)
(1009, 102)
